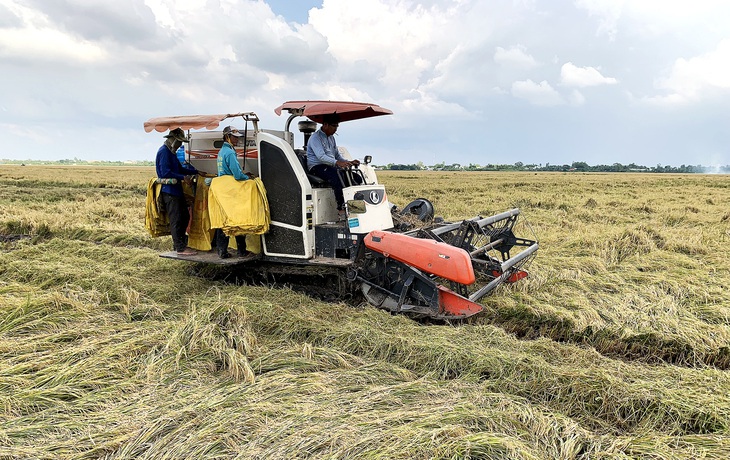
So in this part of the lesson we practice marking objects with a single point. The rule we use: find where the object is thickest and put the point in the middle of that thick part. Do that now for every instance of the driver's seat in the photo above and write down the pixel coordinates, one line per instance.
(316, 181)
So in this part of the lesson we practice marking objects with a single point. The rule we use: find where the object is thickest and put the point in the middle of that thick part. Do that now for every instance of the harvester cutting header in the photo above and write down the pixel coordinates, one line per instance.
(404, 261)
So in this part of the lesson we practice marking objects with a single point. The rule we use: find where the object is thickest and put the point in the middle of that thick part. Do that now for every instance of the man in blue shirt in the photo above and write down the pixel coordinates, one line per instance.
(323, 158)
(228, 165)
(173, 174)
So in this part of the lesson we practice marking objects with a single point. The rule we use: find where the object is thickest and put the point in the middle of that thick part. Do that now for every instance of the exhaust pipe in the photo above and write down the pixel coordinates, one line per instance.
(307, 128)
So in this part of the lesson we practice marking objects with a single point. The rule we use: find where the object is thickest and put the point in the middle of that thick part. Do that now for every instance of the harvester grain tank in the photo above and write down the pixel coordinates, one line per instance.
(402, 261)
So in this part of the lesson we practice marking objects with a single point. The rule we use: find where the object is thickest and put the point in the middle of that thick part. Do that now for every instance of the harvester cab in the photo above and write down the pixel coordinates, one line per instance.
(366, 203)
(402, 262)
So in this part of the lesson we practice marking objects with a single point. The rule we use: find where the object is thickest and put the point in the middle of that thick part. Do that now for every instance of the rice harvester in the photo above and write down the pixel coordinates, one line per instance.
(402, 260)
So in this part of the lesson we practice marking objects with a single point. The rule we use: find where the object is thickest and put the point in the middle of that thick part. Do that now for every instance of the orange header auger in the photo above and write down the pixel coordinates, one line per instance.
(404, 272)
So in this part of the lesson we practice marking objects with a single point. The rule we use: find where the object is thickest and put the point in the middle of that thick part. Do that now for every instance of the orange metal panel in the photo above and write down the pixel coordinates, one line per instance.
(347, 111)
(430, 256)
(452, 304)
(162, 124)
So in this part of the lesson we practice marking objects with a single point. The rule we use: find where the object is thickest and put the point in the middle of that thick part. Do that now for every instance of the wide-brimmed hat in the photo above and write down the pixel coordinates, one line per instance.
(332, 119)
(231, 131)
(178, 135)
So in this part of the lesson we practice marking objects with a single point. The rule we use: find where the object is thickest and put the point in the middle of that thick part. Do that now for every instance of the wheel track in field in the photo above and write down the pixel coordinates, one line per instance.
(648, 348)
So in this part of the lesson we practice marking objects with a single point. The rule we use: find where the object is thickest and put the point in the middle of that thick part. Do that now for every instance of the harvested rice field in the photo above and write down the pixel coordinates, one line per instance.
(616, 347)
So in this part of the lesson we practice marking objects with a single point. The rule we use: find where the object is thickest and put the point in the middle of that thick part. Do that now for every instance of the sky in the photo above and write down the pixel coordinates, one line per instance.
(469, 81)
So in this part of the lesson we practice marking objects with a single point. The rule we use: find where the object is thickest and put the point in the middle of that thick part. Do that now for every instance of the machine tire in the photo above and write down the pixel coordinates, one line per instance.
(421, 208)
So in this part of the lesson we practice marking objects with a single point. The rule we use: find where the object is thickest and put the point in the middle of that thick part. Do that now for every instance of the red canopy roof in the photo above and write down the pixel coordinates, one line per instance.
(162, 124)
(347, 111)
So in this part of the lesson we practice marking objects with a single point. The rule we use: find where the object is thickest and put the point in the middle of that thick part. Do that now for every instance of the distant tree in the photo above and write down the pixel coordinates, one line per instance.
(580, 166)
(519, 166)
(400, 167)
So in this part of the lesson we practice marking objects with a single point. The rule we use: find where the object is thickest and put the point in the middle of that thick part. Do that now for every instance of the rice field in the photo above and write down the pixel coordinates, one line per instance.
(616, 347)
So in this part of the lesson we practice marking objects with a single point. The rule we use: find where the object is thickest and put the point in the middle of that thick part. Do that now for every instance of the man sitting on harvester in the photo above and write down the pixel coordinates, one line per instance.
(323, 158)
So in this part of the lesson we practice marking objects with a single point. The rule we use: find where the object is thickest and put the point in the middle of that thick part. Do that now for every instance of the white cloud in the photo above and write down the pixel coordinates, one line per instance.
(515, 56)
(658, 17)
(401, 41)
(576, 98)
(541, 94)
(466, 66)
(694, 79)
(30, 37)
(572, 75)
(48, 45)
(608, 11)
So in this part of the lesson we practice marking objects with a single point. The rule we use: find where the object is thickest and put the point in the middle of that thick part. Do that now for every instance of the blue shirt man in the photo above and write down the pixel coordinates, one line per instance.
(227, 161)
(323, 158)
(228, 165)
(168, 167)
(322, 147)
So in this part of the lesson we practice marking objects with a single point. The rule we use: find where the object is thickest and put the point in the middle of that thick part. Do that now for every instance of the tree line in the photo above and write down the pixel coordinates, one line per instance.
(577, 166)
(78, 162)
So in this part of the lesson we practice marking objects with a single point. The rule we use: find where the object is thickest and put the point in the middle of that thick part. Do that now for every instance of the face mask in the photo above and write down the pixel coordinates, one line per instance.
(176, 145)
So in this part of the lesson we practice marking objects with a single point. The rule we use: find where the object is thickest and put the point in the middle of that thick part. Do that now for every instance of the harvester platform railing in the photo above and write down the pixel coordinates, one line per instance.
(480, 235)
(480, 222)
(487, 247)
(506, 272)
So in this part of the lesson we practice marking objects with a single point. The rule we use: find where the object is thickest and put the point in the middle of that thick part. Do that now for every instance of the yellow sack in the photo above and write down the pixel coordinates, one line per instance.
(155, 217)
(200, 234)
(238, 207)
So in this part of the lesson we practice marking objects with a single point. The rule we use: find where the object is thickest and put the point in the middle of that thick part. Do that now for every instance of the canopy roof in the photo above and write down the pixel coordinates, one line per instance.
(315, 110)
(162, 124)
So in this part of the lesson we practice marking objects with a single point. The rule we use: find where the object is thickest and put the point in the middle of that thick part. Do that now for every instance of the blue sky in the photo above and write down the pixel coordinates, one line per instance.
(469, 81)
(294, 10)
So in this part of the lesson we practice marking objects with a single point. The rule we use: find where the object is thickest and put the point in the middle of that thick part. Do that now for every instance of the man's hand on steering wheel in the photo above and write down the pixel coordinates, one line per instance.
(347, 164)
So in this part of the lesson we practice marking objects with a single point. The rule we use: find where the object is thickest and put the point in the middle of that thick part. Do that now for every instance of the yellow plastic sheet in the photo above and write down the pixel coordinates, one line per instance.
(200, 233)
(155, 218)
(238, 207)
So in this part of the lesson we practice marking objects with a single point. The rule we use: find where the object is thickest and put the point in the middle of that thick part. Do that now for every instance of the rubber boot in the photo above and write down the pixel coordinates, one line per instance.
(241, 243)
(221, 244)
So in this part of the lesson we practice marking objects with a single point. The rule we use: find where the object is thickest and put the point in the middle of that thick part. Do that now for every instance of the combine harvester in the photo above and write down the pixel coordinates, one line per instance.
(404, 262)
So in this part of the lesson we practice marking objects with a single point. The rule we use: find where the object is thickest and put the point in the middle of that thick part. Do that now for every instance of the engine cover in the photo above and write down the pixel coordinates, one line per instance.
(367, 208)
